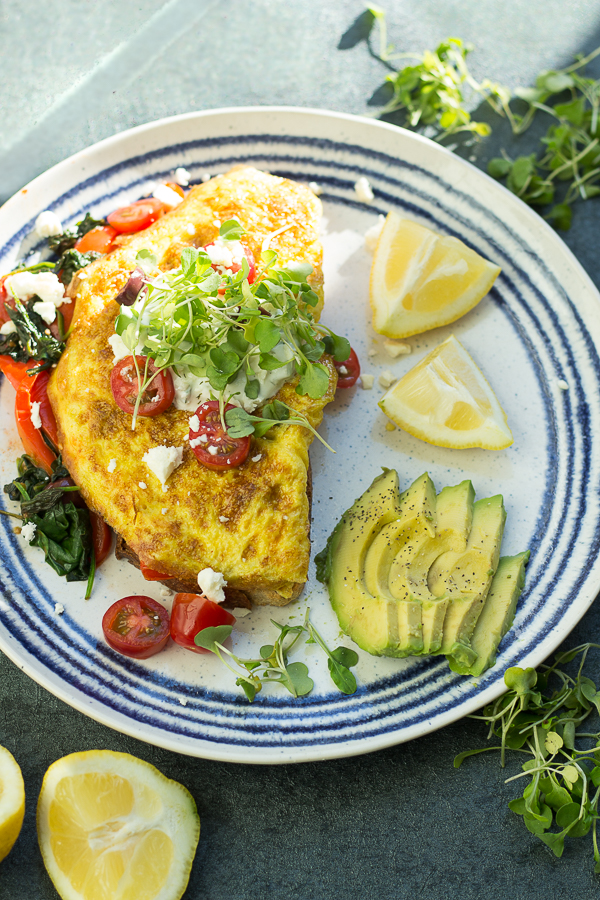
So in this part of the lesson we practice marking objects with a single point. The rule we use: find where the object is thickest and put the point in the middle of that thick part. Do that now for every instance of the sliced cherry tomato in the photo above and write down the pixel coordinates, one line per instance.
(97, 240)
(136, 216)
(152, 574)
(227, 452)
(124, 384)
(236, 266)
(176, 187)
(193, 612)
(136, 626)
(101, 536)
(33, 389)
(15, 371)
(348, 370)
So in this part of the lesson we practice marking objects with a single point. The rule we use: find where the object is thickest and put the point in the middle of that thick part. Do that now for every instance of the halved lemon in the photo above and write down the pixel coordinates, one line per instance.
(12, 801)
(420, 280)
(445, 400)
(112, 827)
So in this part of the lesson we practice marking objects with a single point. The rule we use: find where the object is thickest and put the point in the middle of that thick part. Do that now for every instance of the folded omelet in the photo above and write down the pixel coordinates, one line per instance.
(250, 523)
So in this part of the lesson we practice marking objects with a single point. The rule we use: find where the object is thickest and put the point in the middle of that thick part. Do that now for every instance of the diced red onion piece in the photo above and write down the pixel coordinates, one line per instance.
(129, 294)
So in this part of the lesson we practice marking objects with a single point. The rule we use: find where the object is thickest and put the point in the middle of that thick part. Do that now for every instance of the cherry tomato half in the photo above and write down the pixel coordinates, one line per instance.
(124, 384)
(235, 268)
(33, 389)
(348, 370)
(136, 216)
(101, 536)
(190, 614)
(98, 240)
(136, 626)
(213, 447)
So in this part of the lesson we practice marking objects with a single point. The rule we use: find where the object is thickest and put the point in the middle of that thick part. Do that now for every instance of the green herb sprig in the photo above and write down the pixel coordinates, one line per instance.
(30, 340)
(541, 715)
(272, 666)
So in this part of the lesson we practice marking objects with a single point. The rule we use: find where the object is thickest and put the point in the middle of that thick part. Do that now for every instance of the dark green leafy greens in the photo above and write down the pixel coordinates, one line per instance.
(72, 261)
(541, 716)
(63, 530)
(435, 92)
(60, 243)
(32, 339)
(273, 667)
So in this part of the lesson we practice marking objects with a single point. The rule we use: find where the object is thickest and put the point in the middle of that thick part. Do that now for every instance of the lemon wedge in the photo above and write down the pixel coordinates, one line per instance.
(420, 280)
(12, 801)
(112, 827)
(445, 400)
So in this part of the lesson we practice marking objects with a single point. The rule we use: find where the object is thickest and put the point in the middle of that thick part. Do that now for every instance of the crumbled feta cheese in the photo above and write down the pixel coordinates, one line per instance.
(143, 485)
(48, 224)
(195, 442)
(397, 348)
(363, 190)
(366, 381)
(164, 511)
(213, 450)
(44, 285)
(183, 701)
(194, 422)
(223, 519)
(225, 253)
(257, 457)
(205, 176)
(315, 188)
(191, 229)
(35, 415)
(181, 176)
(372, 234)
(167, 196)
(162, 461)
(46, 310)
(241, 611)
(343, 370)
(562, 384)
(165, 489)
(165, 592)
(28, 531)
(8, 327)
(285, 518)
(59, 609)
(211, 584)
(112, 465)
(387, 379)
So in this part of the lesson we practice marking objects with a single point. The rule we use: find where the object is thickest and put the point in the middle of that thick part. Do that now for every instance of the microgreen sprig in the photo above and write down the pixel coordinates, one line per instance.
(272, 666)
(563, 790)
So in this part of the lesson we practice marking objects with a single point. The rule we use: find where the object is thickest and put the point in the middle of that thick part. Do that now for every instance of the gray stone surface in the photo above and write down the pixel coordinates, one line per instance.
(400, 823)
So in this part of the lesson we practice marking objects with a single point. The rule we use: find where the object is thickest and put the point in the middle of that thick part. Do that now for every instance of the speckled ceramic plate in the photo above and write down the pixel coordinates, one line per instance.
(539, 325)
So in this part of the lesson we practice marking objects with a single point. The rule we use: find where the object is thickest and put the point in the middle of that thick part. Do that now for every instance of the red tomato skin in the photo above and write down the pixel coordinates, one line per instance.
(101, 536)
(4, 316)
(135, 612)
(210, 425)
(136, 216)
(123, 383)
(176, 187)
(33, 388)
(192, 613)
(98, 240)
(352, 366)
(152, 574)
(15, 371)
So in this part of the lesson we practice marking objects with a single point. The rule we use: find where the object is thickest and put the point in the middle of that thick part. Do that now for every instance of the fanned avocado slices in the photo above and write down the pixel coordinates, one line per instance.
(416, 574)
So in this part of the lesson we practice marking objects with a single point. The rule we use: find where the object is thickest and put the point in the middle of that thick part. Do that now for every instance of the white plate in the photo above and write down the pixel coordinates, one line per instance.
(539, 325)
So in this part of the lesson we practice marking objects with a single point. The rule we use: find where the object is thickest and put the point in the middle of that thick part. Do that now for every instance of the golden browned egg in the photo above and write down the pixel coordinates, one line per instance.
(250, 523)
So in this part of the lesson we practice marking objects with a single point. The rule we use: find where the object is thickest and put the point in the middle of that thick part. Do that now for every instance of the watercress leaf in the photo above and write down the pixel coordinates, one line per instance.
(261, 428)
(556, 842)
(252, 388)
(239, 422)
(595, 776)
(561, 216)
(557, 797)
(573, 111)
(310, 298)
(267, 334)
(460, 758)
(277, 410)
(568, 814)
(225, 362)
(569, 735)
(231, 230)
(554, 82)
(341, 676)
(570, 775)
(296, 272)
(266, 651)
(209, 637)
(521, 171)
(314, 352)
(210, 284)
(269, 362)
(520, 680)
(518, 806)
(534, 825)
(298, 675)
(189, 257)
(341, 348)
(236, 342)
(345, 656)
(248, 688)
(553, 742)
(314, 381)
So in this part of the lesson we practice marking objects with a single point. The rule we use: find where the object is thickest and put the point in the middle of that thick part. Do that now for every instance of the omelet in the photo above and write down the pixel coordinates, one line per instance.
(250, 523)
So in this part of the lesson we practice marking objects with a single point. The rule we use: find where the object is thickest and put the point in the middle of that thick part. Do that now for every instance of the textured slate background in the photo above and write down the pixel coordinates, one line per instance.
(401, 823)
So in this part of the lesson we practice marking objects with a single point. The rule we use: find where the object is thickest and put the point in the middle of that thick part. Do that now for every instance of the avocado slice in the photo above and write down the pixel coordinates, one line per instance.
(402, 539)
(467, 577)
(371, 621)
(454, 508)
(497, 614)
